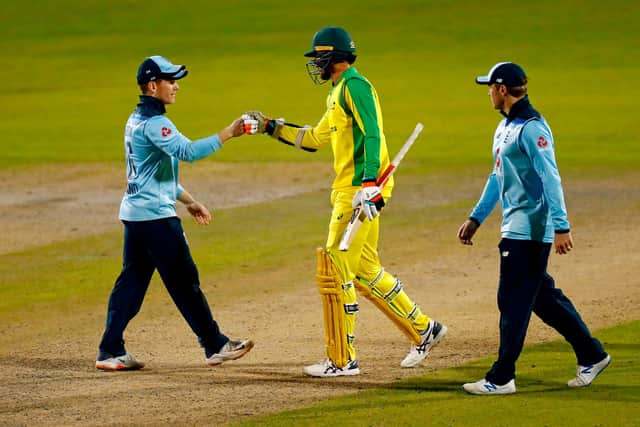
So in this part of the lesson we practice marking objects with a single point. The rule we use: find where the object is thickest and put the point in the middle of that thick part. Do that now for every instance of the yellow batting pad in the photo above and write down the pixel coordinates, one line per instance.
(404, 324)
(329, 285)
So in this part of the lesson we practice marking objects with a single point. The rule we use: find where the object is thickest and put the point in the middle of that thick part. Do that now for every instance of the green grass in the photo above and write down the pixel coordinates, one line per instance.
(69, 77)
(543, 399)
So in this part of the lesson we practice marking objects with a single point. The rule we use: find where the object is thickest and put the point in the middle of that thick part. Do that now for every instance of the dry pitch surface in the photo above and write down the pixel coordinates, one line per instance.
(46, 367)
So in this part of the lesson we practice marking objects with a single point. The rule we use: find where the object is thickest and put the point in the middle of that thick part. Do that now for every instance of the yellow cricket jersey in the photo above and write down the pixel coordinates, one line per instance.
(353, 126)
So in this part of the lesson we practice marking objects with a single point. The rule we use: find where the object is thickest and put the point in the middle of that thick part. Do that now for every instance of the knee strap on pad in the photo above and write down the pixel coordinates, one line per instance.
(333, 308)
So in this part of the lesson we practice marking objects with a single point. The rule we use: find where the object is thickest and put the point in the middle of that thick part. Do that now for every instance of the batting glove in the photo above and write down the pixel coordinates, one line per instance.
(249, 124)
(369, 197)
(255, 122)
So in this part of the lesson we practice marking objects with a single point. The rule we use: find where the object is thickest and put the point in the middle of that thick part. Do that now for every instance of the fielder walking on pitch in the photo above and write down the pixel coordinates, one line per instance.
(526, 181)
(352, 125)
(153, 234)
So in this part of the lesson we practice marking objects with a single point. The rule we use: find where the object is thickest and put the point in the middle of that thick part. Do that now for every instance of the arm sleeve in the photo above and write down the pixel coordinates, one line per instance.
(304, 137)
(164, 135)
(488, 199)
(359, 97)
(537, 142)
(180, 190)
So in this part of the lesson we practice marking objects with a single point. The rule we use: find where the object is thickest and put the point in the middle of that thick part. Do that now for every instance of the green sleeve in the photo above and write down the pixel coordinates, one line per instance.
(365, 116)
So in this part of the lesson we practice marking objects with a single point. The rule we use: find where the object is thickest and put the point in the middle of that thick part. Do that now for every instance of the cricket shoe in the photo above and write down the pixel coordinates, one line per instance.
(484, 387)
(586, 374)
(233, 349)
(327, 368)
(125, 362)
(435, 332)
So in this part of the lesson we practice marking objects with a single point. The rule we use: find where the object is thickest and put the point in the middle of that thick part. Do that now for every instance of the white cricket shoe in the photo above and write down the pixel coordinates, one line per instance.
(586, 374)
(484, 387)
(120, 363)
(233, 349)
(327, 368)
(435, 332)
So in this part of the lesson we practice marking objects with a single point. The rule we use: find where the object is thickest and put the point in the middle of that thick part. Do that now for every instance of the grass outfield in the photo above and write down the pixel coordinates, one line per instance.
(70, 66)
(543, 399)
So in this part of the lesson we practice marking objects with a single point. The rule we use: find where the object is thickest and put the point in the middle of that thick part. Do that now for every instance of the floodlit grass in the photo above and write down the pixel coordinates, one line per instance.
(543, 399)
(69, 74)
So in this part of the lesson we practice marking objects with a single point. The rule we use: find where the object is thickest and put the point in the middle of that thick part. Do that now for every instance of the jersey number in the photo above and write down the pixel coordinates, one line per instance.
(132, 172)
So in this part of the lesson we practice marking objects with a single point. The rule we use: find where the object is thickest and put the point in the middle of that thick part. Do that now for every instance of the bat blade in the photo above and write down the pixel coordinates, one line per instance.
(358, 216)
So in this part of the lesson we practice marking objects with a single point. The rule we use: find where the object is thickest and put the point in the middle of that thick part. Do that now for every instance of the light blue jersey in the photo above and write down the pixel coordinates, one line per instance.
(153, 147)
(525, 179)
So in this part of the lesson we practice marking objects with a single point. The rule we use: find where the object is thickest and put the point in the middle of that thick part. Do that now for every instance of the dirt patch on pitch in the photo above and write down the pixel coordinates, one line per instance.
(51, 381)
(41, 205)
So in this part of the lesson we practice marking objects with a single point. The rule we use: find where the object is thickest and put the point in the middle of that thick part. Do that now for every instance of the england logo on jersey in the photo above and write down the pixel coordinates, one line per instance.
(543, 144)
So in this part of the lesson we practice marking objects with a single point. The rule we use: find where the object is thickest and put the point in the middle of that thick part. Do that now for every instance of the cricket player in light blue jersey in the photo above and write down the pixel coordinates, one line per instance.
(526, 182)
(153, 234)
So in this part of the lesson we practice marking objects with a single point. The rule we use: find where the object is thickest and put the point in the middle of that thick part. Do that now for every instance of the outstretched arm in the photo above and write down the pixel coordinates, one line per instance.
(235, 129)
(303, 137)
(164, 135)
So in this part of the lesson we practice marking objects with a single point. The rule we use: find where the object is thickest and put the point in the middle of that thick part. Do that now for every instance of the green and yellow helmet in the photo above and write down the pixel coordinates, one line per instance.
(329, 45)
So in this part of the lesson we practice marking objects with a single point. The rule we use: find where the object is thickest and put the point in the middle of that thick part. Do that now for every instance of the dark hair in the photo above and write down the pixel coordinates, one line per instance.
(144, 88)
(517, 91)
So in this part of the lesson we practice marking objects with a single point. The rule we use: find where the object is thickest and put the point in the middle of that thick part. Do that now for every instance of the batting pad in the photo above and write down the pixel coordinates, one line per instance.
(402, 323)
(330, 287)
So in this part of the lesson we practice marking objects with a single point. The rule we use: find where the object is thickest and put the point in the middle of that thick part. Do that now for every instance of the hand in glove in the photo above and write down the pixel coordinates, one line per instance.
(370, 199)
(255, 122)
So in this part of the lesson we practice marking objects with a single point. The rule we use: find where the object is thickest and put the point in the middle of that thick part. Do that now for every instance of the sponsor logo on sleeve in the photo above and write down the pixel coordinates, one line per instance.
(543, 143)
(166, 131)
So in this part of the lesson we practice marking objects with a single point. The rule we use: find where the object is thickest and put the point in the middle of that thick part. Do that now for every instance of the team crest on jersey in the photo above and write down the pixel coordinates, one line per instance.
(166, 131)
(543, 143)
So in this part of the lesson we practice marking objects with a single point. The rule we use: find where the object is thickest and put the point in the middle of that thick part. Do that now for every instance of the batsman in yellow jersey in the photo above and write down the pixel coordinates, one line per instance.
(352, 125)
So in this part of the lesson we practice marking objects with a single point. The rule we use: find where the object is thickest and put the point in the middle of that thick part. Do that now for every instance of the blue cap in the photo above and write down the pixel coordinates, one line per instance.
(156, 67)
(504, 73)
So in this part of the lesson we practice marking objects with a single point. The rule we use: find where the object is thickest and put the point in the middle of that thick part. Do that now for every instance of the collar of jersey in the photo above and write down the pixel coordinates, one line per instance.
(150, 106)
(521, 110)
(347, 73)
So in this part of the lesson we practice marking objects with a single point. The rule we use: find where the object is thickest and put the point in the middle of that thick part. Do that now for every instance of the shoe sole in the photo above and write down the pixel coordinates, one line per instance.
(436, 341)
(341, 374)
(483, 393)
(232, 356)
(105, 367)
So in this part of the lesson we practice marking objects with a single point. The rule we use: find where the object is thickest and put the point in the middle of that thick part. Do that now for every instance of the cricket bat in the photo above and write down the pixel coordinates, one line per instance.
(358, 216)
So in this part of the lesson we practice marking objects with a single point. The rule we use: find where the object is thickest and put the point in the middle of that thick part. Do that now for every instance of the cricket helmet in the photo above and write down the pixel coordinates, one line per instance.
(329, 45)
